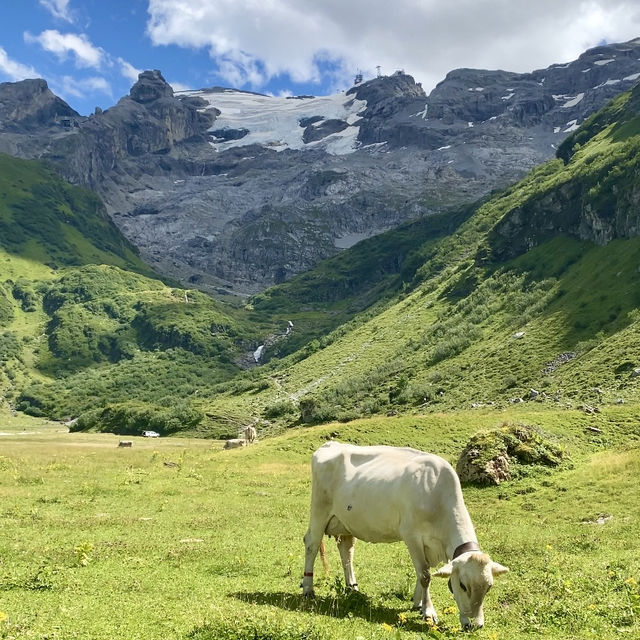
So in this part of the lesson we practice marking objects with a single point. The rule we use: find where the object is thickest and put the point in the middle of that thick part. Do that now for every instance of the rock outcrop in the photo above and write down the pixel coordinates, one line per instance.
(133, 136)
(598, 206)
(31, 105)
(490, 456)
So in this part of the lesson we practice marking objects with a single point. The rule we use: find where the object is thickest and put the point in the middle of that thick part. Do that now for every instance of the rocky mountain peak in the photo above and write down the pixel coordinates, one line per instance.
(30, 104)
(150, 86)
(399, 85)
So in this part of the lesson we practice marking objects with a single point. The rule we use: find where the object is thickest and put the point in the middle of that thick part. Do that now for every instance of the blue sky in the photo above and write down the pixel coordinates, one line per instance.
(90, 51)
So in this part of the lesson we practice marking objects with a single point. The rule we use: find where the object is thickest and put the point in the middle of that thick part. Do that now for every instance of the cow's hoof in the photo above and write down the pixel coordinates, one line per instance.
(430, 618)
(309, 594)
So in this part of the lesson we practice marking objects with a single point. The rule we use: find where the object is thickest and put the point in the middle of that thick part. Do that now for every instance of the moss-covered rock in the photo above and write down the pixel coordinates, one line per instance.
(490, 456)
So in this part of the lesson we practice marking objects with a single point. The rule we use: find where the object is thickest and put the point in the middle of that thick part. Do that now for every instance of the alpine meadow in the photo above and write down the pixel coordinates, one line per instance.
(486, 310)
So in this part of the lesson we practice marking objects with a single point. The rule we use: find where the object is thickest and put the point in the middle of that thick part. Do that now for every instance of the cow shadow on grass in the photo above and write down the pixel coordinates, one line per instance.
(343, 605)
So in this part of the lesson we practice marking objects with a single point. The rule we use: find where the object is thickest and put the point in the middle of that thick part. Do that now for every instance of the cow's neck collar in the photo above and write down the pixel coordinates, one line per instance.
(465, 548)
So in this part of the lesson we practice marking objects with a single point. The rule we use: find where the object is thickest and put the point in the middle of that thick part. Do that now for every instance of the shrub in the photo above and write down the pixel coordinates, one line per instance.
(314, 411)
(418, 393)
(452, 340)
(6, 309)
(130, 418)
(23, 292)
(10, 346)
(279, 409)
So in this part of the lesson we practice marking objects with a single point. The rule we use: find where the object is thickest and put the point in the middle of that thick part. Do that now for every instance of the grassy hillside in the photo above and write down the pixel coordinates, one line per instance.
(147, 543)
(512, 305)
(49, 222)
(339, 288)
(86, 327)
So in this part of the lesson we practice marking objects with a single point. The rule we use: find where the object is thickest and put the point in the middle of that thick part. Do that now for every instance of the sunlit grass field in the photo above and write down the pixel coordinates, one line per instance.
(176, 538)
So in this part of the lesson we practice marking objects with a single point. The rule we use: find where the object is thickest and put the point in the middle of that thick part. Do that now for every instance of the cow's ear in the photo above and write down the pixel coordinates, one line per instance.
(444, 572)
(498, 569)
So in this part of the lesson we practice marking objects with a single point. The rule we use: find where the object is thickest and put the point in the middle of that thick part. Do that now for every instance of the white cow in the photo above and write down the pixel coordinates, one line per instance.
(388, 494)
(234, 443)
(250, 433)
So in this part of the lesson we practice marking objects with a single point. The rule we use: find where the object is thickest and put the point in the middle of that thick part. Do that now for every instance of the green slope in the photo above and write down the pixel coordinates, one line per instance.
(84, 323)
(341, 287)
(49, 222)
(512, 300)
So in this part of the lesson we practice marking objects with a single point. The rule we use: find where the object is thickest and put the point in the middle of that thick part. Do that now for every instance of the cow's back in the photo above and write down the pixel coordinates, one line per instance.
(373, 491)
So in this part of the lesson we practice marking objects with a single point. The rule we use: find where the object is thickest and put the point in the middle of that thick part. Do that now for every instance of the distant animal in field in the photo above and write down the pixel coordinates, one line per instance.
(250, 434)
(234, 443)
(388, 494)
(125, 443)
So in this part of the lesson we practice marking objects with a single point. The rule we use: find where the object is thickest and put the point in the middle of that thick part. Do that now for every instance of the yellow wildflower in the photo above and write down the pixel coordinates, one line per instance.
(386, 627)
(3, 616)
(449, 610)
(631, 581)
(549, 547)
(402, 618)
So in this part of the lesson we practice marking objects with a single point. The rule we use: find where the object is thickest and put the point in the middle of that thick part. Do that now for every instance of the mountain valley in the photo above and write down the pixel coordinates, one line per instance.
(528, 294)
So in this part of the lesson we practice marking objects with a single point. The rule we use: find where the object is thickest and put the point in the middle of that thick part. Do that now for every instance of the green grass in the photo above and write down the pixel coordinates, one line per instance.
(102, 542)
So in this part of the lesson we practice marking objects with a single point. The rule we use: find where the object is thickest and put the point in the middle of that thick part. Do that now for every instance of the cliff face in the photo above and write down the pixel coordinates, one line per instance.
(231, 190)
(146, 124)
(595, 196)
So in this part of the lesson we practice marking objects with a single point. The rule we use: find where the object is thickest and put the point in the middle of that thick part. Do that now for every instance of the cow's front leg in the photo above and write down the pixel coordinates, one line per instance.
(345, 546)
(421, 595)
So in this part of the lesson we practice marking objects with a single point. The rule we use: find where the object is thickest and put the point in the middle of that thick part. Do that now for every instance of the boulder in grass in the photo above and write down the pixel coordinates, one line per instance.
(490, 457)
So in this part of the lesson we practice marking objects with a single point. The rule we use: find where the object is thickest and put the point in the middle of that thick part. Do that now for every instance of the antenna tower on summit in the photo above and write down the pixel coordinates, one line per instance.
(358, 78)
(379, 71)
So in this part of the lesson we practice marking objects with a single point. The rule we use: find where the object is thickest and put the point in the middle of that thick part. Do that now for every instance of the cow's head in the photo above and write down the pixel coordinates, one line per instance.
(470, 577)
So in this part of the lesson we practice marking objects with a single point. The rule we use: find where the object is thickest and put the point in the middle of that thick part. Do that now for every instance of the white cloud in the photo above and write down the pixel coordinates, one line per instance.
(178, 86)
(63, 45)
(58, 9)
(79, 88)
(251, 42)
(128, 70)
(15, 70)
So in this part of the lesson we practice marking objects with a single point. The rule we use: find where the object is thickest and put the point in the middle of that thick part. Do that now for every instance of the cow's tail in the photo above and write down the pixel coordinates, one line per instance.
(323, 557)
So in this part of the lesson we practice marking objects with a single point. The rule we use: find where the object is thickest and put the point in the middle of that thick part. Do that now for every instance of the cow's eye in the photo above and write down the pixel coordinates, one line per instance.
(463, 587)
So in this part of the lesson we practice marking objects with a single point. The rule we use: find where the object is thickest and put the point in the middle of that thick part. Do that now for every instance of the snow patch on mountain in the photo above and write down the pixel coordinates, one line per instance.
(573, 101)
(278, 122)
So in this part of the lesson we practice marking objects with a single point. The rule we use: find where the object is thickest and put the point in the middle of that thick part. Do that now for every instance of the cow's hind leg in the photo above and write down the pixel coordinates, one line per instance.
(345, 546)
(421, 595)
(318, 523)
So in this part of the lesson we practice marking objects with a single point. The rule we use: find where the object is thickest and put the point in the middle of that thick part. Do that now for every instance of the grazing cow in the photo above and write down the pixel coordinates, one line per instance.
(125, 443)
(388, 494)
(234, 443)
(250, 433)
